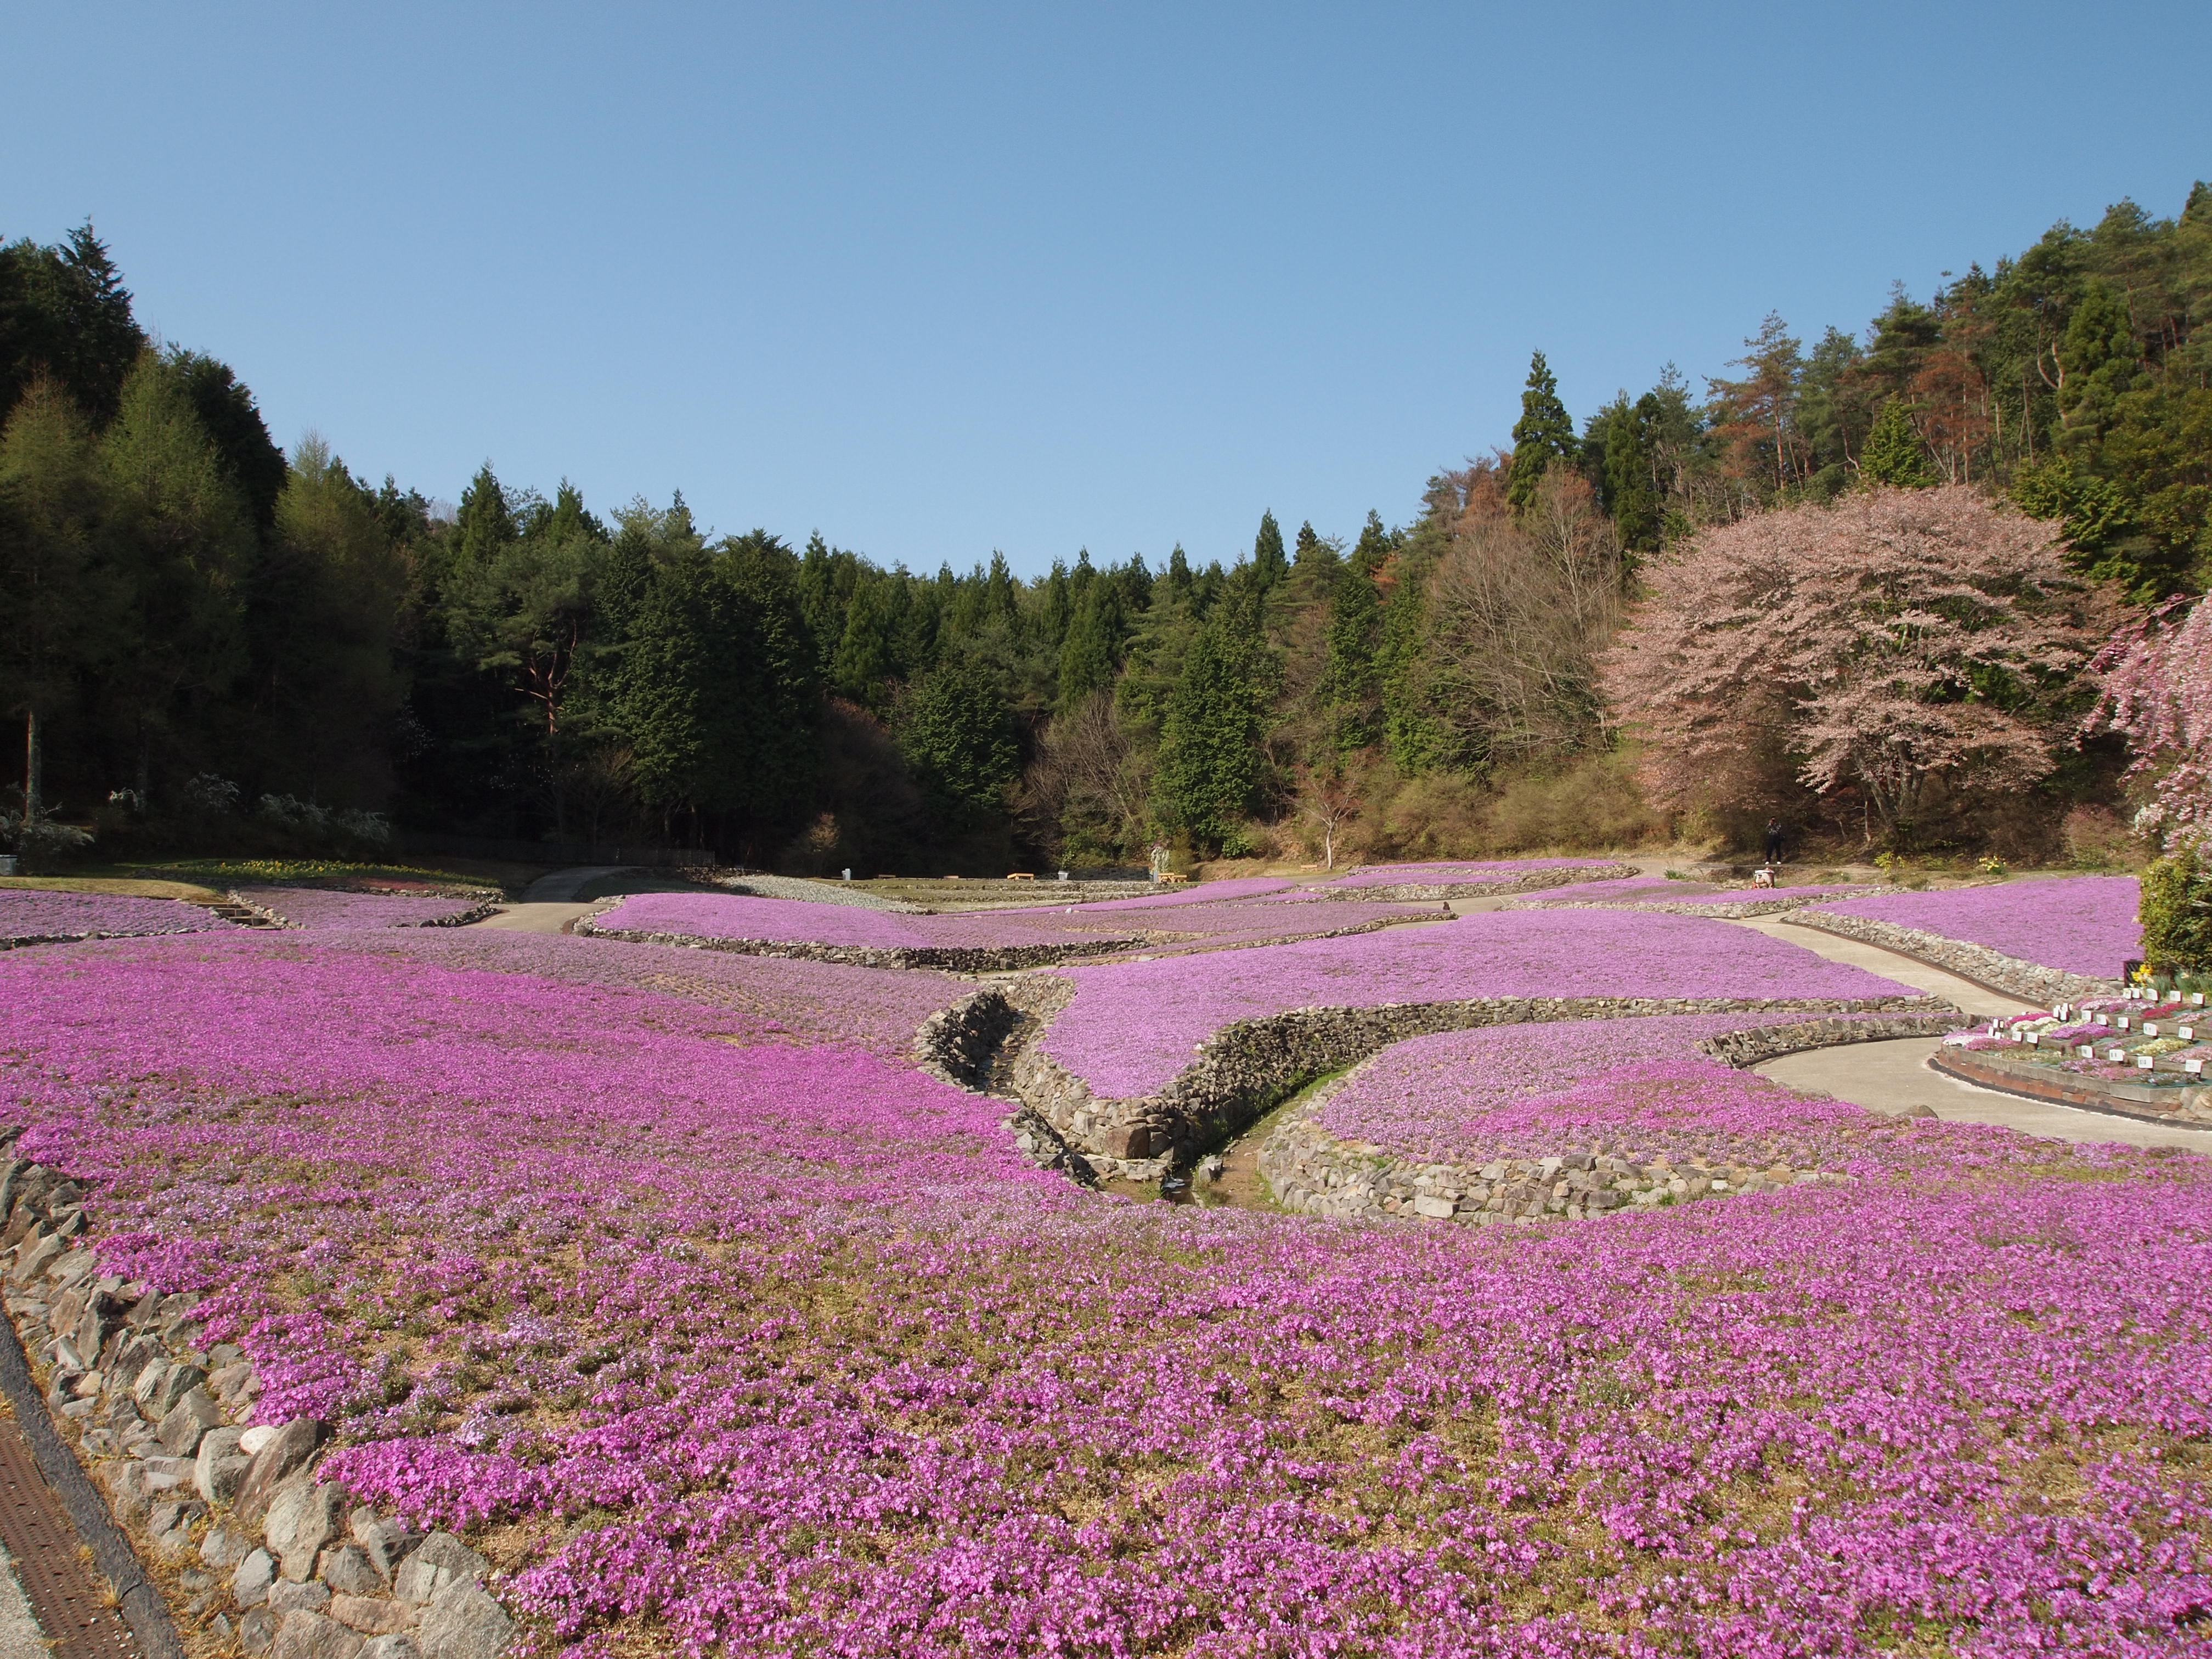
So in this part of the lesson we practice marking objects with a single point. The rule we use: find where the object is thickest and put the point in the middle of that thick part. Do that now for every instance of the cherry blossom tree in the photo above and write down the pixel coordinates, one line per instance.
(2156, 678)
(1897, 638)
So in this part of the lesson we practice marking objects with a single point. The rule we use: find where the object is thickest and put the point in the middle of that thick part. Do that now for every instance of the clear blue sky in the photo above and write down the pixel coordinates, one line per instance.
(941, 280)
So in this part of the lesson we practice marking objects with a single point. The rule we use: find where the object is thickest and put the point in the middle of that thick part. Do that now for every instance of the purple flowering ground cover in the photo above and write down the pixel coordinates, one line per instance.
(749, 1348)
(330, 907)
(1451, 870)
(2077, 924)
(30, 914)
(1235, 921)
(1131, 1025)
(1633, 1086)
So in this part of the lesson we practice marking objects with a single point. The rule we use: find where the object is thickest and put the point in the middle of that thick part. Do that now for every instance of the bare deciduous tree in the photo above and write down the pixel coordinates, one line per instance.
(1522, 607)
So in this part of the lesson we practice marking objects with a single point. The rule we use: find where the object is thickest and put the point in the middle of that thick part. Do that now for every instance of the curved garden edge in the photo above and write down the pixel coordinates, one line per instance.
(1247, 1068)
(1314, 1172)
(982, 958)
(1418, 892)
(1720, 909)
(976, 959)
(2142, 1104)
(1976, 963)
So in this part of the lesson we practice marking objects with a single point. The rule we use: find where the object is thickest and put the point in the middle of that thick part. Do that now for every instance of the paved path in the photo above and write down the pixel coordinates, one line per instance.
(528, 918)
(562, 885)
(1894, 1076)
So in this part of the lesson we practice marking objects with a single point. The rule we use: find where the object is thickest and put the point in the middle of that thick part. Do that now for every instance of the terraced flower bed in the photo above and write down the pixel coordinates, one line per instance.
(1518, 1124)
(1132, 1026)
(1693, 898)
(2046, 941)
(331, 908)
(30, 916)
(981, 939)
(1477, 878)
(706, 1331)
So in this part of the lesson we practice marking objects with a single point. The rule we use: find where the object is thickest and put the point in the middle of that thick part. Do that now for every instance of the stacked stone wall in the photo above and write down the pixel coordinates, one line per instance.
(244, 1545)
(2039, 986)
(1316, 1173)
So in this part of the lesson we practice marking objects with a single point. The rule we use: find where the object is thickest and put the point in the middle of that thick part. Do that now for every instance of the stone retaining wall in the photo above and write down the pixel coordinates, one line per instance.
(2008, 975)
(1314, 1172)
(977, 959)
(1721, 909)
(1414, 892)
(246, 1545)
(1241, 1071)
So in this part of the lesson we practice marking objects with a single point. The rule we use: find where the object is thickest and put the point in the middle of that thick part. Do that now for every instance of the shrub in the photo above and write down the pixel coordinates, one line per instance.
(2176, 914)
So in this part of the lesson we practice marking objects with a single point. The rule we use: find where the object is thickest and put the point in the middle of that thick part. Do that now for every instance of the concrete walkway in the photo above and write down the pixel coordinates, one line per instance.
(527, 918)
(1894, 1077)
(562, 885)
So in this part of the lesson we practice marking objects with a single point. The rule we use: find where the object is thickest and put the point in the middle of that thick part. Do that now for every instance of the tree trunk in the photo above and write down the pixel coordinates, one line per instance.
(33, 768)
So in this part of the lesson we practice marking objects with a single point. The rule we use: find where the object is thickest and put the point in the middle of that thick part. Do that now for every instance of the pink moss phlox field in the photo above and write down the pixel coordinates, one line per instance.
(780, 1000)
(780, 1350)
(800, 921)
(1624, 887)
(2077, 924)
(1132, 1024)
(30, 914)
(328, 908)
(1206, 893)
(1450, 870)
(1640, 1085)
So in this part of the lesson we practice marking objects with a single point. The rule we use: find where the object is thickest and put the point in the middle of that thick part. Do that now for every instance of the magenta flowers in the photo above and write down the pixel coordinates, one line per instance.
(768, 1345)
(1132, 1025)
(2080, 924)
(28, 914)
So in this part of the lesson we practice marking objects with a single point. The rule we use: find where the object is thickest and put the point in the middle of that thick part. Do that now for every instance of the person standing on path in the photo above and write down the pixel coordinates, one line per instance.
(1773, 841)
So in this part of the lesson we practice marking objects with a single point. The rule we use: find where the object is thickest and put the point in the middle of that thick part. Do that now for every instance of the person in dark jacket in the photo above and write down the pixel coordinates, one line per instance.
(1774, 840)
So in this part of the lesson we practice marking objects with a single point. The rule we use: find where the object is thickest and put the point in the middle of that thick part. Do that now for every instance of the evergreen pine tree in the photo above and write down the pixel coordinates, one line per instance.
(1268, 563)
(958, 730)
(1544, 434)
(484, 525)
(1212, 751)
(1627, 469)
(1894, 452)
(1086, 658)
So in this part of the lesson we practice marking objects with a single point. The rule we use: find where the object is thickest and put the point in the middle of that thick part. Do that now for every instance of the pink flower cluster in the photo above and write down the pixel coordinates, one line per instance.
(1208, 892)
(1455, 869)
(328, 908)
(774, 1349)
(29, 913)
(1132, 1025)
(2077, 924)
(1250, 919)
(1638, 1086)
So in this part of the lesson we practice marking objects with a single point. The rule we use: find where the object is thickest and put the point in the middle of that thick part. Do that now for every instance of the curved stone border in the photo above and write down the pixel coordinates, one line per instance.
(1316, 1173)
(1245, 1069)
(989, 959)
(1415, 892)
(2191, 1107)
(1720, 909)
(976, 959)
(1976, 964)
(468, 918)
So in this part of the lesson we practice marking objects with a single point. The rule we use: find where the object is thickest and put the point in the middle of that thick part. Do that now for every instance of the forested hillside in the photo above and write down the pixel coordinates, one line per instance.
(210, 638)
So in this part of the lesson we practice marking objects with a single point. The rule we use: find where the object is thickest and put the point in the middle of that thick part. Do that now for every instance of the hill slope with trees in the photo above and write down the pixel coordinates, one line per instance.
(210, 632)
